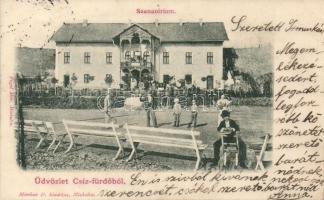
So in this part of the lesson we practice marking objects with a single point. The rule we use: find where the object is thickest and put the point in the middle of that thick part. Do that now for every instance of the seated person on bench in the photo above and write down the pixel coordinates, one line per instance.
(228, 124)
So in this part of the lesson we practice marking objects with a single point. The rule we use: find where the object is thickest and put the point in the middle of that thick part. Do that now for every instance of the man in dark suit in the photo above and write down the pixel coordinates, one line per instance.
(229, 125)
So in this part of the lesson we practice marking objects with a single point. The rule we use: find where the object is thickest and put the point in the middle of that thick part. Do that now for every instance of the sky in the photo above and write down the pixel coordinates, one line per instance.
(31, 23)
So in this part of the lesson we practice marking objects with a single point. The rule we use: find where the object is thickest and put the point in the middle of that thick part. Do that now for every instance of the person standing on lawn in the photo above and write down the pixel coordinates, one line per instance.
(150, 111)
(222, 104)
(107, 107)
(176, 112)
(194, 114)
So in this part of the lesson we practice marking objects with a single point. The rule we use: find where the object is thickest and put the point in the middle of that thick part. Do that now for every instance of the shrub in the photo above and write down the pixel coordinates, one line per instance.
(253, 101)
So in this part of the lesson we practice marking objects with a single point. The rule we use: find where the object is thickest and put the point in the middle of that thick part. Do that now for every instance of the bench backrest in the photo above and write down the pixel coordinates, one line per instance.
(91, 128)
(50, 127)
(163, 136)
(35, 126)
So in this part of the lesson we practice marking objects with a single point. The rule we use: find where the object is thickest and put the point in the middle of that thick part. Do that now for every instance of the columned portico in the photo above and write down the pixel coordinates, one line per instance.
(137, 54)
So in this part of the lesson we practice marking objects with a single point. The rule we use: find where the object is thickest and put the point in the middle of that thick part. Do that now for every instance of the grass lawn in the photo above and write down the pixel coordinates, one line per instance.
(254, 122)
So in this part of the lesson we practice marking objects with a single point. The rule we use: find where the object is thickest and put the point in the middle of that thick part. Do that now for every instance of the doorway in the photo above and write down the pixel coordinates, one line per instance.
(210, 82)
(188, 79)
(66, 81)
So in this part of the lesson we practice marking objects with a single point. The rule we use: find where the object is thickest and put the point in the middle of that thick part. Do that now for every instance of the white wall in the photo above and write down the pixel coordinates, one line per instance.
(97, 67)
(199, 68)
(177, 62)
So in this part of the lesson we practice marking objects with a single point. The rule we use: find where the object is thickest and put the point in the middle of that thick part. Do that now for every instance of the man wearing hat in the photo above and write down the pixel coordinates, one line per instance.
(194, 114)
(227, 124)
(176, 112)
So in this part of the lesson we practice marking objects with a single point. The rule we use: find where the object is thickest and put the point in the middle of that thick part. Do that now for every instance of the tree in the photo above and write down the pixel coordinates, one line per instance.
(265, 82)
(229, 59)
(250, 85)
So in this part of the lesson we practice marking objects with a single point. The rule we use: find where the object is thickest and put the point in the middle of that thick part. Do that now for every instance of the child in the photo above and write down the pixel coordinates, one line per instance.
(176, 112)
(194, 113)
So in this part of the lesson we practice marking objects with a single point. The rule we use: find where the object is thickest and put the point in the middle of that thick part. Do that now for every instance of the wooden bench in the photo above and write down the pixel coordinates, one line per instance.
(56, 136)
(35, 127)
(42, 129)
(78, 128)
(166, 138)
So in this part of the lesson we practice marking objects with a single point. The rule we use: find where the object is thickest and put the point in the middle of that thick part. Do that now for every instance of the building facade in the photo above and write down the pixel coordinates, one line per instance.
(92, 55)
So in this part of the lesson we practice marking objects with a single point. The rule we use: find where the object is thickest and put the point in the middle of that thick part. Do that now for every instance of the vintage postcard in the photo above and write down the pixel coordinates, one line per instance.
(162, 99)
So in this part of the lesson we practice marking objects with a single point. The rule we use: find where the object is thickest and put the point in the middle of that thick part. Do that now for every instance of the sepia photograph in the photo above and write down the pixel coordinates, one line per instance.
(145, 96)
(151, 99)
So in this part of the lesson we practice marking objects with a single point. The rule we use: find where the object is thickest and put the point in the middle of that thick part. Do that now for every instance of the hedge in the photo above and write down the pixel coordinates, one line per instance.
(91, 102)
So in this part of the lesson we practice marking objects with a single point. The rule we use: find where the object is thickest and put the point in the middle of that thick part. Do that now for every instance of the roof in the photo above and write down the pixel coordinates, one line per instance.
(34, 61)
(166, 32)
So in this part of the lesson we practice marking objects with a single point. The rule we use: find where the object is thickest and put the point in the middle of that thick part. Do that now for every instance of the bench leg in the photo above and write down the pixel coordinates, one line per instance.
(259, 164)
(120, 150)
(71, 144)
(52, 143)
(58, 144)
(236, 159)
(40, 142)
(131, 155)
(225, 158)
(198, 153)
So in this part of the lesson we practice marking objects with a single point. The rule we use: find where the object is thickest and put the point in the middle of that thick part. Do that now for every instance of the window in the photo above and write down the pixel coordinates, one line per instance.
(87, 57)
(146, 56)
(209, 57)
(86, 78)
(66, 57)
(188, 58)
(127, 55)
(109, 57)
(137, 56)
(165, 57)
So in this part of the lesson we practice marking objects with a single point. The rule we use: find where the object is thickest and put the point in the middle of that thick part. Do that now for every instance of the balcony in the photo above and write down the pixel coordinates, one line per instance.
(140, 65)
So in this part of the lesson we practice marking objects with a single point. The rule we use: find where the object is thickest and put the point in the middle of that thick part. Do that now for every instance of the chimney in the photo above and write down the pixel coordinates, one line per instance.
(85, 23)
(180, 22)
(156, 22)
(129, 22)
(200, 21)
